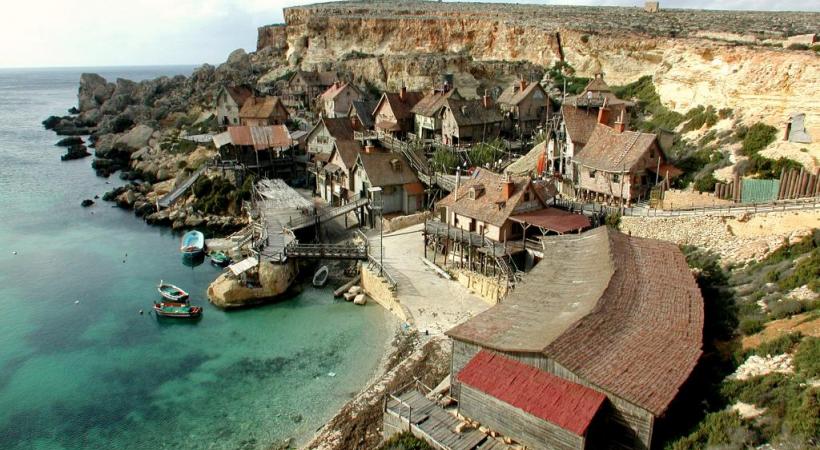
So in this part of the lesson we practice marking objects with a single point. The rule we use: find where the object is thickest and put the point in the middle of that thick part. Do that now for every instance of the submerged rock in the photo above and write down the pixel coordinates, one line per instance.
(75, 152)
(86, 203)
(70, 141)
(229, 292)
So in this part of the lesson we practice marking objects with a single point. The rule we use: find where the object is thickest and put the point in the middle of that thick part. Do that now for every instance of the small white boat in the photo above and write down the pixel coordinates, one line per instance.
(171, 292)
(320, 277)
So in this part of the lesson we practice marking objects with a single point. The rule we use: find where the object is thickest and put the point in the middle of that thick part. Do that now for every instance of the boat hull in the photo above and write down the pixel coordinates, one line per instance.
(193, 243)
(172, 293)
(320, 277)
(176, 311)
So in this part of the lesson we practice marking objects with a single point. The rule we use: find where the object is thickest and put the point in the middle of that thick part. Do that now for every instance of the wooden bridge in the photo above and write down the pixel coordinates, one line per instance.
(169, 198)
(326, 251)
(326, 214)
(414, 412)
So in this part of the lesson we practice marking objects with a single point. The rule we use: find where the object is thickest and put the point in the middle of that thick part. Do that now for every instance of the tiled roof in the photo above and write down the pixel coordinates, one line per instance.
(383, 171)
(256, 108)
(539, 393)
(432, 102)
(611, 151)
(472, 112)
(490, 206)
(261, 138)
(527, 164)
(513, 95)
(622, 313)
(554, 219)
(580, 122)
(340, 128)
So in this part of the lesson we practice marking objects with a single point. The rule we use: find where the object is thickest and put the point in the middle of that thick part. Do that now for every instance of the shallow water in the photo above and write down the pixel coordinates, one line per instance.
(97, 374)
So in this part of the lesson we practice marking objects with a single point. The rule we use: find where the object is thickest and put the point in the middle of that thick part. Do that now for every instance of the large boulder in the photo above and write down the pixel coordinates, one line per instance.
(136, 138)
(199, 157)
(94, 91)
(228, 292)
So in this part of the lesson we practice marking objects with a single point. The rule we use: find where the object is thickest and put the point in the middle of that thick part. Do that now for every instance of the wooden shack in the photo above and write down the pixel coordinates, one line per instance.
(598, 311)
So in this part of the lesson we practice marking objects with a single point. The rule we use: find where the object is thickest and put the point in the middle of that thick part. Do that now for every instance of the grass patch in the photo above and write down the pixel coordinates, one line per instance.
(807, 358)
(724, 428)
(445, 160)
(405, 441)
(485, 154)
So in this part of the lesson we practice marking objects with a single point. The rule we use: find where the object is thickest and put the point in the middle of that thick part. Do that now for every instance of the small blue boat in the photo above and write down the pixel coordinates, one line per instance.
(193, 243)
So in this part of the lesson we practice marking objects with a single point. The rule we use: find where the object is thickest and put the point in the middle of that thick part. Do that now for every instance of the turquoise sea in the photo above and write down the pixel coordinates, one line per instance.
(81, 368)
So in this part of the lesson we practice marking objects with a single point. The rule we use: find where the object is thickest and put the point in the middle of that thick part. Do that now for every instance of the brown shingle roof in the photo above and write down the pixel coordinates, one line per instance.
(363, 109)
(432, 102)
(239, 94)
(620, 312)
(387, 168)
(401, 108)
(348, 151)
(336, 89)
(341, 128)
(513, 95)
(611, 151)
(490, 206)
(579, 122)
(472, 112)
(256, 108)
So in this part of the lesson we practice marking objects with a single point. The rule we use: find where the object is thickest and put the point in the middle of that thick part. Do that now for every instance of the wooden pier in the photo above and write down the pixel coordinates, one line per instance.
(412, 411)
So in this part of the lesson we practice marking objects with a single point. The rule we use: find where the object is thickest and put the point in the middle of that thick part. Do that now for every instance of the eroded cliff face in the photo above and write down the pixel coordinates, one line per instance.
(415, 42)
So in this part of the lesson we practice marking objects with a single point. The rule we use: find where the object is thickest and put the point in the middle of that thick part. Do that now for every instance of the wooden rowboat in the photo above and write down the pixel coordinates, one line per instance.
(193, 243)
(172, 292)
(177, 311)
(220, 259)
(320, 277)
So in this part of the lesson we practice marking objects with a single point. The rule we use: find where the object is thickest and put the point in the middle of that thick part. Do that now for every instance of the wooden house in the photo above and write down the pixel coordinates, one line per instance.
(259, 112)
(305, 86)
(579, 115)
(598, 317)
(427, 121)
(337, 100)
(229, 100)
(335, 181)
(402, 193)
(620, 166)
(525, 107)
(486, 204)
(362, 112)
(321, 141)
(269, 149)
(393, 113)
(469, 121)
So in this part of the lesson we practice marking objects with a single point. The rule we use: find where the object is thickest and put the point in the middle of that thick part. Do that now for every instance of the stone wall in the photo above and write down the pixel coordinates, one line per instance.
(397, 223)
(379, 290)
(491, 290)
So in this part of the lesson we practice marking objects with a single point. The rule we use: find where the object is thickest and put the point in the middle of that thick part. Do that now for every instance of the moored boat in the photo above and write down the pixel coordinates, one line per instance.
(220, 259)
(193, 243)
(320, 277)
(172, 292)
(177, 310)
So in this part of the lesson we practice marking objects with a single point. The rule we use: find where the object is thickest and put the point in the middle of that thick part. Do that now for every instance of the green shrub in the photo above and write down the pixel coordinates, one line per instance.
(562, 72)
(803, 418)
(698, 117)
(783, 344)
(725, 113)
(445, 160)
(786, 308)
(756, 138)
(807, 358)
(719, 428)
(485, 153)
(719, 306)
(405, 441)
(706, 183)
(797, 46)
(750, 326)
(648, 105)
(772, 276)
(791, 251)
(807, 272)
(613, 220)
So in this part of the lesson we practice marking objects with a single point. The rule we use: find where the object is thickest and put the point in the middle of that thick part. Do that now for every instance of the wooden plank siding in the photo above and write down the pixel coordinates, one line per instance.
(510, 421)
(628, 425)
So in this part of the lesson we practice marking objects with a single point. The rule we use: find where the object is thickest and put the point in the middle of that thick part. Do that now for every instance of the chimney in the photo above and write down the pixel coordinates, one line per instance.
(403, 92)
(522, 84)
(507, 187)
(486, 100)
(620, 126)
(603, 114)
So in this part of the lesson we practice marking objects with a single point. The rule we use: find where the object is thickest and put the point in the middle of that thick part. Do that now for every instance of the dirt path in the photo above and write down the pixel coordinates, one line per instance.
(808, 324)
(436, 304)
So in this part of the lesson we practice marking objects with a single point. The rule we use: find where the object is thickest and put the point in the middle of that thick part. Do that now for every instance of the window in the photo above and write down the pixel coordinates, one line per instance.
(616, 178)
(591, 173)
(527, 196)
(652, 153)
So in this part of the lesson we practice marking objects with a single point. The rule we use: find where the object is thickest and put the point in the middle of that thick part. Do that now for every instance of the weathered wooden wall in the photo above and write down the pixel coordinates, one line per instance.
(510, 421)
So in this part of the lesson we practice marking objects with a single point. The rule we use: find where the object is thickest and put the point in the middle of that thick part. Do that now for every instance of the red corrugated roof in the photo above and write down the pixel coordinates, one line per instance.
(554, 219)
(542, 394)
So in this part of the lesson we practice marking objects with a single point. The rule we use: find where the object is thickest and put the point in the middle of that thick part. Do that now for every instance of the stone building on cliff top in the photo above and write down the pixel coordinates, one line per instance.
(589, 351)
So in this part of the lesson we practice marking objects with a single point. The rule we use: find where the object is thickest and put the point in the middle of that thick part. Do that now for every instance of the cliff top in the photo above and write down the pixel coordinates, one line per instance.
(666, 22)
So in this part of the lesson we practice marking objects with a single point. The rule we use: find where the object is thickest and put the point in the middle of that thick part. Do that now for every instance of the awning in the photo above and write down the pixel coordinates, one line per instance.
(553, 219)
(221, 139)
(243, 266)
(673, 171)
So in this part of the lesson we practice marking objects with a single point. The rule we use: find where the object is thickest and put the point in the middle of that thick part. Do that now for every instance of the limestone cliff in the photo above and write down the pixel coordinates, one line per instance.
(694, 56)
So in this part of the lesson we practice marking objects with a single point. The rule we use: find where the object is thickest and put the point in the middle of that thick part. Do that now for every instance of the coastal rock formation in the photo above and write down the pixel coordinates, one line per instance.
(229, 292)
(77, 151)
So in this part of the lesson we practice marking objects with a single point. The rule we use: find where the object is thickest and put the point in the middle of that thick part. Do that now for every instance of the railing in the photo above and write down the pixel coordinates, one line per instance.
(326, 251)
(780, 205)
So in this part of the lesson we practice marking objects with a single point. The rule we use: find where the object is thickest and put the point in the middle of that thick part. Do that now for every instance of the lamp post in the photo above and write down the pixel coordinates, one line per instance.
(377, 204)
